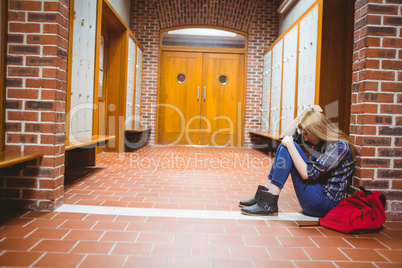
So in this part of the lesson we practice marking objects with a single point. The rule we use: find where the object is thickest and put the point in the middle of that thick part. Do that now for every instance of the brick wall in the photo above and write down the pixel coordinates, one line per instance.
(35, 100)
(376, 119)
(259, 19)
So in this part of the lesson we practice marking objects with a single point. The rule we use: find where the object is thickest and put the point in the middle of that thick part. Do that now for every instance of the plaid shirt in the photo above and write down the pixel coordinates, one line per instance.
(333, 167)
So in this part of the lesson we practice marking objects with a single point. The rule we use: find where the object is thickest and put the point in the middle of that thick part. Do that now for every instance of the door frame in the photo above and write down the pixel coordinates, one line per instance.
(204, 50)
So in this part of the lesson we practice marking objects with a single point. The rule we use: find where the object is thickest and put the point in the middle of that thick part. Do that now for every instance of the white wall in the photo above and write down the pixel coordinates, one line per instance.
(293, 13)
(122, 8)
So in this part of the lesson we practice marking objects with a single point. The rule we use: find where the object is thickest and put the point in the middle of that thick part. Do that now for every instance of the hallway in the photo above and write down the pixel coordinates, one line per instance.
(177, 207)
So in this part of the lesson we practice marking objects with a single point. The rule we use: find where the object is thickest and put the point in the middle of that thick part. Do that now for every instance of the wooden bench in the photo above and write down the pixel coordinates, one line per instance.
(264, 134)
(8, 159)
(88, 142)
(138, 130)
(82, 151)
(135, 138)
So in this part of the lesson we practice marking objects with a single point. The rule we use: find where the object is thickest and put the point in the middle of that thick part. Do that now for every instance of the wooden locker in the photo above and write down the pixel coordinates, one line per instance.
(266, 91)
(289, 78)
(323, 65)
(307, 60)
(276, 88)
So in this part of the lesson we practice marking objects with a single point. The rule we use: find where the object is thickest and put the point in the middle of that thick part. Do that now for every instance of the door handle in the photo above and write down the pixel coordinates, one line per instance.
(198, 94)
(205, 92)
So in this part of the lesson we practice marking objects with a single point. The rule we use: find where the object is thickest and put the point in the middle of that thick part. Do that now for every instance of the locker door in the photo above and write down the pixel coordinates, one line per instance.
(289, 77)
(130, 83)
(266, 91)
(307, 60)
(138, 84)
(82, 75)
(276, 88)
(88, 98)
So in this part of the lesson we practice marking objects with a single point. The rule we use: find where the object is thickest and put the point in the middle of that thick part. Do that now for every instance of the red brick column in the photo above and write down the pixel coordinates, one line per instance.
(36, 100)
(377, 100)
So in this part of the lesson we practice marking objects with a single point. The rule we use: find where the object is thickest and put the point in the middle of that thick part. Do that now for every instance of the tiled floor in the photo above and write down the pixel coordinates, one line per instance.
(177, 207)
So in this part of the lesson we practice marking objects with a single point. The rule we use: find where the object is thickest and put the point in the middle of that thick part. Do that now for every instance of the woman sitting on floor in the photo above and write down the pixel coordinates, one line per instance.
(320, 181)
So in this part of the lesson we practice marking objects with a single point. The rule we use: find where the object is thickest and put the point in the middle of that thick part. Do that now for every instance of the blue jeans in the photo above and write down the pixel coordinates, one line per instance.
(310, 194)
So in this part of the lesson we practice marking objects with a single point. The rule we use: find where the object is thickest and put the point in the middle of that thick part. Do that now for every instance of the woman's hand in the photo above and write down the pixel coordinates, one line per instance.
(287, 140)
(316, 108)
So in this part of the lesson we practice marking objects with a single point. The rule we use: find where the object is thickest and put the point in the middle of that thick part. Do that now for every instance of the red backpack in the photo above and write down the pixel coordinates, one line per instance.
(361, 213)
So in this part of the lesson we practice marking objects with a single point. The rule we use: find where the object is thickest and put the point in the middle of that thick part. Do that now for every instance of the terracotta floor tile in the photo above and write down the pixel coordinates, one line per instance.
(22, 259)
(78, 225)
(359, 255)
(387, 265)
(143, 227)
(249, 252)
(261, 241)
(392, 243)
(97, 217)
(93, 247)
(45, 223)
(84, 235)
(59, 260)
(54, 246)
(227, 240)
(209, 228)
(130, 219)
(144, 262)
(305, 232)
(392, 255)
(365, 243)
(293, 242)
(186, 262)
(103, 261)
(47, 233)
(155, 237)
(70, 216)
(17, 222)
(287, 254)
(330, 242)
(224, 263)
(273, 231)
(12, 231)
(355, 265)
(179, 250)
(210, 251)
(18, 244)
(39, 214)
(192, 239)
(132, 249)
(176, 228)
(120, 236)
(313, 264)
(325, 254)
(240, 230)
(272, 264)
(106, 225)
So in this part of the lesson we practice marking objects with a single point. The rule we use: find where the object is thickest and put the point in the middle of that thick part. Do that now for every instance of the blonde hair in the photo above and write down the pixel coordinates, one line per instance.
(319, 125)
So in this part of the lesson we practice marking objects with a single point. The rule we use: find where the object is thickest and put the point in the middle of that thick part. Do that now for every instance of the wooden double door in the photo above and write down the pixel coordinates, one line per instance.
(201, 99)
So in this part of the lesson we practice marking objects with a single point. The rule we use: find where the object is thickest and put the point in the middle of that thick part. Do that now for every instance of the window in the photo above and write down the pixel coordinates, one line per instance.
(203, 37)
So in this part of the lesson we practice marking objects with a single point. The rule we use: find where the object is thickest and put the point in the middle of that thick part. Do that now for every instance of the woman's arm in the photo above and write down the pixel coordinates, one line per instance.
(298, 161)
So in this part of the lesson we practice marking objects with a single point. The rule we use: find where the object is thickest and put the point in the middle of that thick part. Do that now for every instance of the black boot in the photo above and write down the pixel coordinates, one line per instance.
(267, 205)
(254, 200)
